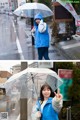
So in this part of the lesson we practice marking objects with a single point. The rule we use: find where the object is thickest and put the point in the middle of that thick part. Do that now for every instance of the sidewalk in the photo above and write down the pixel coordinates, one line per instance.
(64, 50)
(70, 48)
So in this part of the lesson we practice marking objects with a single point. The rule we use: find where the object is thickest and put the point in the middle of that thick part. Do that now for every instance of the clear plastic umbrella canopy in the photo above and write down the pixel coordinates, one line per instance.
(31, 9)
(27, 83)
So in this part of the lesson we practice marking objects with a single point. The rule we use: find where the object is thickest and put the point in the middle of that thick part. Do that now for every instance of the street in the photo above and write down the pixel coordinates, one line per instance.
(8, 48)
(16, 43)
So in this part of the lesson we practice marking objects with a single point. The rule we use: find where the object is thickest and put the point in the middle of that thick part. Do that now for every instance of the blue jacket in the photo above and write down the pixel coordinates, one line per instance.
(41, 39)
(48, 112)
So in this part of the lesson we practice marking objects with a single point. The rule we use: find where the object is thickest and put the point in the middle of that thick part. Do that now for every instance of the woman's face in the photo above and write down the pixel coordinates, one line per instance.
(46, 92)
(37, 21)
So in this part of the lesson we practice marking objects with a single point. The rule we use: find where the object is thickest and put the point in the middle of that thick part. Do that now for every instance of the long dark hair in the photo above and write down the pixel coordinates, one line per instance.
(43, 86)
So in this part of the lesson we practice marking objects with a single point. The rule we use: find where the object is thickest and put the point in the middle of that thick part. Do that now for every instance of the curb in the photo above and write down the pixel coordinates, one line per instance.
(63, 52)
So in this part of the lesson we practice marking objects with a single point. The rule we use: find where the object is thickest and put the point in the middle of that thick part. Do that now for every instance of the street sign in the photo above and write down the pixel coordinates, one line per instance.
(69, 7)
(62, 27)
(65, 73)
(77, 22)
(66, 76)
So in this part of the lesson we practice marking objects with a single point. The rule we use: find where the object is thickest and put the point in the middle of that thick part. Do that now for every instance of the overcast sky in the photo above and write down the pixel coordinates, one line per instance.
(6, 65)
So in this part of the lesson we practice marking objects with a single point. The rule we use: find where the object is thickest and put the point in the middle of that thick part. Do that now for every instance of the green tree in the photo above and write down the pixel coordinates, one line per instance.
(74, 90)
(78, 64)
(64, 65)
(46, 2)
(55, 30)
(77, 7)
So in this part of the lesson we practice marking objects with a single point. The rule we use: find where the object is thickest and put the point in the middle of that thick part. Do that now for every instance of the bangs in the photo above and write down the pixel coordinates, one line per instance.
(46, 86)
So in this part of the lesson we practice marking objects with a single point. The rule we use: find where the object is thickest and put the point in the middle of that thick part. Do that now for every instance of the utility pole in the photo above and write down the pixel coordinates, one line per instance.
(15, 6)
(32, 24)
(32, 27)
(23, 101)
(54, 67)
(9, 2)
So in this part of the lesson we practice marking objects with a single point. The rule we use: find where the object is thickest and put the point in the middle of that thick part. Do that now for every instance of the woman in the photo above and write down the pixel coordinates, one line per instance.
(47, 107)
(41, 37)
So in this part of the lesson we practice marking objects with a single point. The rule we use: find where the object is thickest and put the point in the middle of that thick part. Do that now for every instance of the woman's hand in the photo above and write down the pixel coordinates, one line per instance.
(38, 114)
(58, 95)
(33, 30)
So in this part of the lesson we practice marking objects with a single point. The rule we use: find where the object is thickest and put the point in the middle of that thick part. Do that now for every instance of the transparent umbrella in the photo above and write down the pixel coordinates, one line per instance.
(28, 82)
(31, 9)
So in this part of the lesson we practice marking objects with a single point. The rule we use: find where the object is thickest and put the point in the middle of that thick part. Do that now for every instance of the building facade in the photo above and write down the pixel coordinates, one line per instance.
(4, 5)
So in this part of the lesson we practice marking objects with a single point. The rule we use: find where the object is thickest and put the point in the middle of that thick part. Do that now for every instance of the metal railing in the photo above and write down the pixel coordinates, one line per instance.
(68, 113)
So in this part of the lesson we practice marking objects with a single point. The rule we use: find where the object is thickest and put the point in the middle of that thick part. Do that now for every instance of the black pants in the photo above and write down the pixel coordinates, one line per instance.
(43, 52)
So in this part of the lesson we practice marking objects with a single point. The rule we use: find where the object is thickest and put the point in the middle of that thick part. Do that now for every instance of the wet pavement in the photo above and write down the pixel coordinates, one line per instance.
(70, 48)
(9, 110)
(24, 36)
(14, 111)
(16, 43)
(65, 50)
(8, 47)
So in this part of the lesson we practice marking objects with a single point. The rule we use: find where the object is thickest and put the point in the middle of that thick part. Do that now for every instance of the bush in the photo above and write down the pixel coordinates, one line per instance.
(75, 112)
